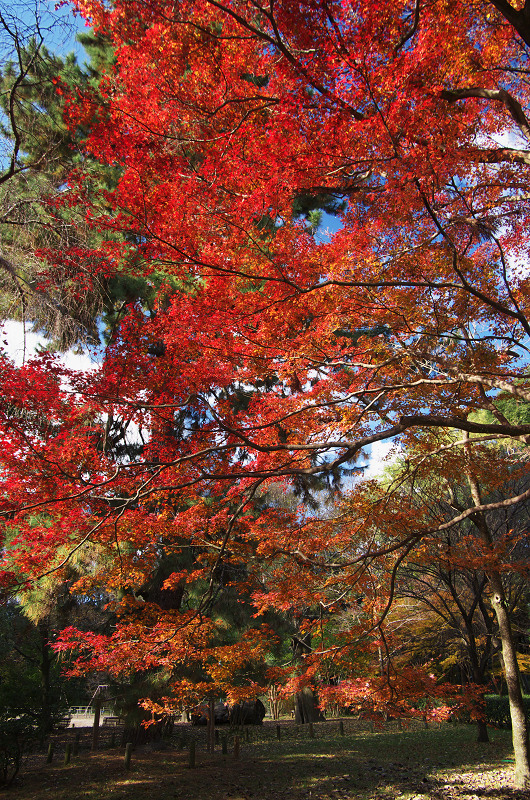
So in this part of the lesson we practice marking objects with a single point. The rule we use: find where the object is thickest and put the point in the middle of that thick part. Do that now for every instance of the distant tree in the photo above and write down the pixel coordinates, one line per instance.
(39, 153)
(44, 238)
(443, 617)
(33, 696)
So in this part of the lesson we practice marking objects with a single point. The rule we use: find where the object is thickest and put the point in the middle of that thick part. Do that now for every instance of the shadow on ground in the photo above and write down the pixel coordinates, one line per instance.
(444, 764)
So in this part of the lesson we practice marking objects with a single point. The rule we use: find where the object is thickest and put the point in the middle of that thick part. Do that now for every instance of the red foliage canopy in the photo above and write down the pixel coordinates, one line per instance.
(277, 349)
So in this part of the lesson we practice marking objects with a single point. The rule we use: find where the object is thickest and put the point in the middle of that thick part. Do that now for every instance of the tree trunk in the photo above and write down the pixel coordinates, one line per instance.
(210, 726)
(275, 701)
(306, 707)
(513, 683)
(509, 657)
(45, 677)
(478, 679)
(482, 731)
(95, 726)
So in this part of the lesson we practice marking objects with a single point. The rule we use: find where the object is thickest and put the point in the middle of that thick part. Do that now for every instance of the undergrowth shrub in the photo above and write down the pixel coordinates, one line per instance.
(498, 710)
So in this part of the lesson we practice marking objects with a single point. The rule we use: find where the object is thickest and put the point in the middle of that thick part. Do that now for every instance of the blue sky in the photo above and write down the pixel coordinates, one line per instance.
(58, 27)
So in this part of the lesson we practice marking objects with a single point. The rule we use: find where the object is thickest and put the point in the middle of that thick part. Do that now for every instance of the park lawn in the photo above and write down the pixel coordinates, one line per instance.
(443, 763)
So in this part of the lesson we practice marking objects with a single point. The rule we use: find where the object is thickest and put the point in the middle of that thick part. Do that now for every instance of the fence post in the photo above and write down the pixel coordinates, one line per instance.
(278, 732)
(128, 754)
(311, 731)
(49, 757)
(341, 727)
(67, 754)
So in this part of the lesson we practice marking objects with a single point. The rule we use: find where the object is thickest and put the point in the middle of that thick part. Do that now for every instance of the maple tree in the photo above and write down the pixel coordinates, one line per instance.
(347, 566)
(446, 585)
(276, 350)
(488, 552)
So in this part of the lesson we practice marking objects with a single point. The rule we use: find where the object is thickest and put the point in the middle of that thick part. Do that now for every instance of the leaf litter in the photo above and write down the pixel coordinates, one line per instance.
(443, 764)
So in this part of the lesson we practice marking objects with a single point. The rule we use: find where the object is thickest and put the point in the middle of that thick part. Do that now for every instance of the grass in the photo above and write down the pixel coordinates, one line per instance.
(360, 765)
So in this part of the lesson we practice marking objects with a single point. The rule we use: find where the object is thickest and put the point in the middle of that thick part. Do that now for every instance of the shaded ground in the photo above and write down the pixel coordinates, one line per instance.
(443, 764)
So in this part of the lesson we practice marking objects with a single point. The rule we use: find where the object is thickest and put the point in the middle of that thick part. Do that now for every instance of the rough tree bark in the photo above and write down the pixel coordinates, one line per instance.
(306, 707)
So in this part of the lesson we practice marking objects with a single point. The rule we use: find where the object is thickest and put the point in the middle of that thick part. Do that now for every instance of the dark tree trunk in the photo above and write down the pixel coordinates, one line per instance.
(210, 726)
(45, 674)
(482, 731)
(478, 663)
(306, 707)
(95, 727)
(45, 664)
(479, 679)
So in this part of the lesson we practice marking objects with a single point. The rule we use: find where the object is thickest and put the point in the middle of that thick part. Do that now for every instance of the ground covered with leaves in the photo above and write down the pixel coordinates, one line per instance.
(361, 765)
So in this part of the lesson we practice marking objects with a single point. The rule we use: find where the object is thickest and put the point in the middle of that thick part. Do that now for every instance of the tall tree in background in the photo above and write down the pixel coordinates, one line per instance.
(272, 349)
(38, 155)
(44, 237)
